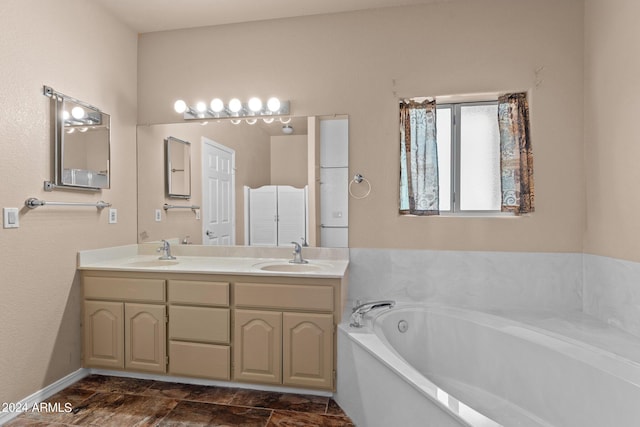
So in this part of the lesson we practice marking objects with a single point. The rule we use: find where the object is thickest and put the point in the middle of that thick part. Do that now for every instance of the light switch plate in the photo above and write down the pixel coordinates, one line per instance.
(11, 218)
(113, 216)
(158, 215)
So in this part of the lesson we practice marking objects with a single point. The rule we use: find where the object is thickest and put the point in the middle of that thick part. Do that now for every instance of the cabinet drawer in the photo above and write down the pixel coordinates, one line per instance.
(200, 293)
(204, 324)
(199, 360)
(121, 288)
(298, 297)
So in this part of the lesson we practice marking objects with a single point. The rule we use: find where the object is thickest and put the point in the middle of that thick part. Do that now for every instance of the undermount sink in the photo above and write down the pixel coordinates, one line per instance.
(154, 263)
(290, 267)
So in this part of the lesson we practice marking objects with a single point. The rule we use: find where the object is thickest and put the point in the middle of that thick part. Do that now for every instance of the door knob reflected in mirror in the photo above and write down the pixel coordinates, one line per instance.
(210, 234)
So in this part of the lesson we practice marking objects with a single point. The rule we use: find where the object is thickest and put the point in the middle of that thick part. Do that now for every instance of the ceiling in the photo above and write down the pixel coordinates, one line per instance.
(144, 16)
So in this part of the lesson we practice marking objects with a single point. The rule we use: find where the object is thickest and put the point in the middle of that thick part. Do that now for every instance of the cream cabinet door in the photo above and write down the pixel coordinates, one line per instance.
(257, 352)
(103, 334)
(145, 337)
(307, 352)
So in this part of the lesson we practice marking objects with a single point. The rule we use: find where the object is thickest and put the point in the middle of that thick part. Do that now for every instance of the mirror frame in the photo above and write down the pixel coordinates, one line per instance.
(57, 113)
(171, 193)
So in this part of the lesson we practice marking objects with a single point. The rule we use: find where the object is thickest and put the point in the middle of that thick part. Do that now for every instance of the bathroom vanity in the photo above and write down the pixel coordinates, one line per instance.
(253, 318)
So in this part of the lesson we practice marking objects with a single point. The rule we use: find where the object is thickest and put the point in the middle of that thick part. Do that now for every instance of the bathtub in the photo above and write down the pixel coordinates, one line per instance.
(458, 367)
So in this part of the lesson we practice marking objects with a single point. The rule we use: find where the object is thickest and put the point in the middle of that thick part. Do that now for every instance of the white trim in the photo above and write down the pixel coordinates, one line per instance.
(45, 393)
(212, 383)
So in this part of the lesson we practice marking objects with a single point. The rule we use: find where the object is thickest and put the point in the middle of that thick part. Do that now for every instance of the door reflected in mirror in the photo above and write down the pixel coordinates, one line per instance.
(263, 155)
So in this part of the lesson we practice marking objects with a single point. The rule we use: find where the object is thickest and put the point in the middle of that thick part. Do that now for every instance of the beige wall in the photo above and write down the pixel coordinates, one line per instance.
(612, 84)
(289, 160)
(360, 63)
(77, 49)
(251, 145)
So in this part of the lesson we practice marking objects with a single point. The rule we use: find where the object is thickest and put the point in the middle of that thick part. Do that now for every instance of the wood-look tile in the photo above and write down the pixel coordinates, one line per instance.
(23, 421)
(110, 384)
(302, 419)
(193, 414)
(117, 410)
(334, 409)
(285, 401)
(200, 393)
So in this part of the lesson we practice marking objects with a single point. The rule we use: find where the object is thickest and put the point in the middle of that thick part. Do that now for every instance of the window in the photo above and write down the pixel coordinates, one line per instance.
(472, 157)
(468, 157)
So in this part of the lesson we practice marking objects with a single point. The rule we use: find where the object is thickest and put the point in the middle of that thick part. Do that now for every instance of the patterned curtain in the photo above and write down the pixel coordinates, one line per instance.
(516, 156)
(418, 158)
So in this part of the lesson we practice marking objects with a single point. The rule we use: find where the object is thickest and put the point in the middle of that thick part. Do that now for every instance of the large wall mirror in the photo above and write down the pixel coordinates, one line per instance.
(81, 144)
(228, 158)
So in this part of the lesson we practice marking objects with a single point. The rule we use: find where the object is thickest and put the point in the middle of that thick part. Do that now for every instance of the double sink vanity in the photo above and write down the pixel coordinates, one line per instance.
(240, 314)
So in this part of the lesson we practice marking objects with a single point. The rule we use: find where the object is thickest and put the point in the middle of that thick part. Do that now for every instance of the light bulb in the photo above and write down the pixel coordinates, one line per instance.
(180, 106)
(273, 104)
(235, 105)
(287, 129)
(255, 104)
(201, 107)
(65, 115)
(78, 113)
(217, 105)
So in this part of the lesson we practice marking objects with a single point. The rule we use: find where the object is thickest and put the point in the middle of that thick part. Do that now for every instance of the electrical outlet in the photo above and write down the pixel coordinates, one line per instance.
(11, 218)
(113, 216)
(158, 215)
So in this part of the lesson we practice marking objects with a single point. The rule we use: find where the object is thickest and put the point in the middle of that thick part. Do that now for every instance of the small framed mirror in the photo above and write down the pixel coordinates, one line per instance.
(178, 168)
(81, 144)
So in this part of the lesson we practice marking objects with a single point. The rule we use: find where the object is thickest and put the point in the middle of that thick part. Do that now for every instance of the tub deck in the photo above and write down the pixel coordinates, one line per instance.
(579, 328)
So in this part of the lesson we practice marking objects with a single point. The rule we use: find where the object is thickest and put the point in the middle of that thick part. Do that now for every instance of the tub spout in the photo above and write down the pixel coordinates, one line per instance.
(360, 310)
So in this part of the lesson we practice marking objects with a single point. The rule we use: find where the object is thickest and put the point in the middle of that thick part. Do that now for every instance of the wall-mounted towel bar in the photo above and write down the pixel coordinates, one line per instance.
(33, 203)
(192, 207)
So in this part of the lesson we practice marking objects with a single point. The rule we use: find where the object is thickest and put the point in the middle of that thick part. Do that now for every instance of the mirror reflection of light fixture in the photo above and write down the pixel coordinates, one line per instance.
(235, 108)
(285, 120)
(287, 129)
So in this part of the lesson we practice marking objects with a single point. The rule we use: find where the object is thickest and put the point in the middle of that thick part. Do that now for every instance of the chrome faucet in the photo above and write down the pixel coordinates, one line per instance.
(166, 251)
(297, 254)
(361, 309)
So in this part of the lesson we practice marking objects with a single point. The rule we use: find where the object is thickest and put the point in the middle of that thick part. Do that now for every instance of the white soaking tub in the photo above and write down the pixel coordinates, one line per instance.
(458, 367)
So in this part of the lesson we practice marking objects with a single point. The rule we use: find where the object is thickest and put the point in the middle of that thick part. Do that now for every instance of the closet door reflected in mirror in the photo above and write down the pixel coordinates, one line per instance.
(178, 168)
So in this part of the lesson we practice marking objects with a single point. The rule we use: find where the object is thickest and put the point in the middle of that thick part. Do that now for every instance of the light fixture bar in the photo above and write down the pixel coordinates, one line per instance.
(234, 110)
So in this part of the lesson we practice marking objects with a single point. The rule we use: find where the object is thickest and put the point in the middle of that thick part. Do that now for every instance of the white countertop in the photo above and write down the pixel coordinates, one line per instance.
(323, 263)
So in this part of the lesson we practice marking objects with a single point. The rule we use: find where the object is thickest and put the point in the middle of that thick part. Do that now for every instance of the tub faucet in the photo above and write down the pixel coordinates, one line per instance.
(166, 251)
(360, 310)
(297, 254)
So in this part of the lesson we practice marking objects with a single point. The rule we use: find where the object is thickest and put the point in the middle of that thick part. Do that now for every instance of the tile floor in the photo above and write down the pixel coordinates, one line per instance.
(106, 401)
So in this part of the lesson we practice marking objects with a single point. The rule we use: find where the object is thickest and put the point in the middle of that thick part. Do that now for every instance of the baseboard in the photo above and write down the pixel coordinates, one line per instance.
(44, 394)
(198, 381)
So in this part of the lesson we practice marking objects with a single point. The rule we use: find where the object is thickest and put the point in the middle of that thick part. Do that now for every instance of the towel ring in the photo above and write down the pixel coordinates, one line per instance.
(358, 178)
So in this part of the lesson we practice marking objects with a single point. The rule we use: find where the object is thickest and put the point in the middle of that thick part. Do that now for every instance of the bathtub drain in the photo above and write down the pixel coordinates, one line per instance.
(403, 325)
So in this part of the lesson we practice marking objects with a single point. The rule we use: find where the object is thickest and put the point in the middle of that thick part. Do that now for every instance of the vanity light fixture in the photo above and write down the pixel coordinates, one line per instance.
(234, 109)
